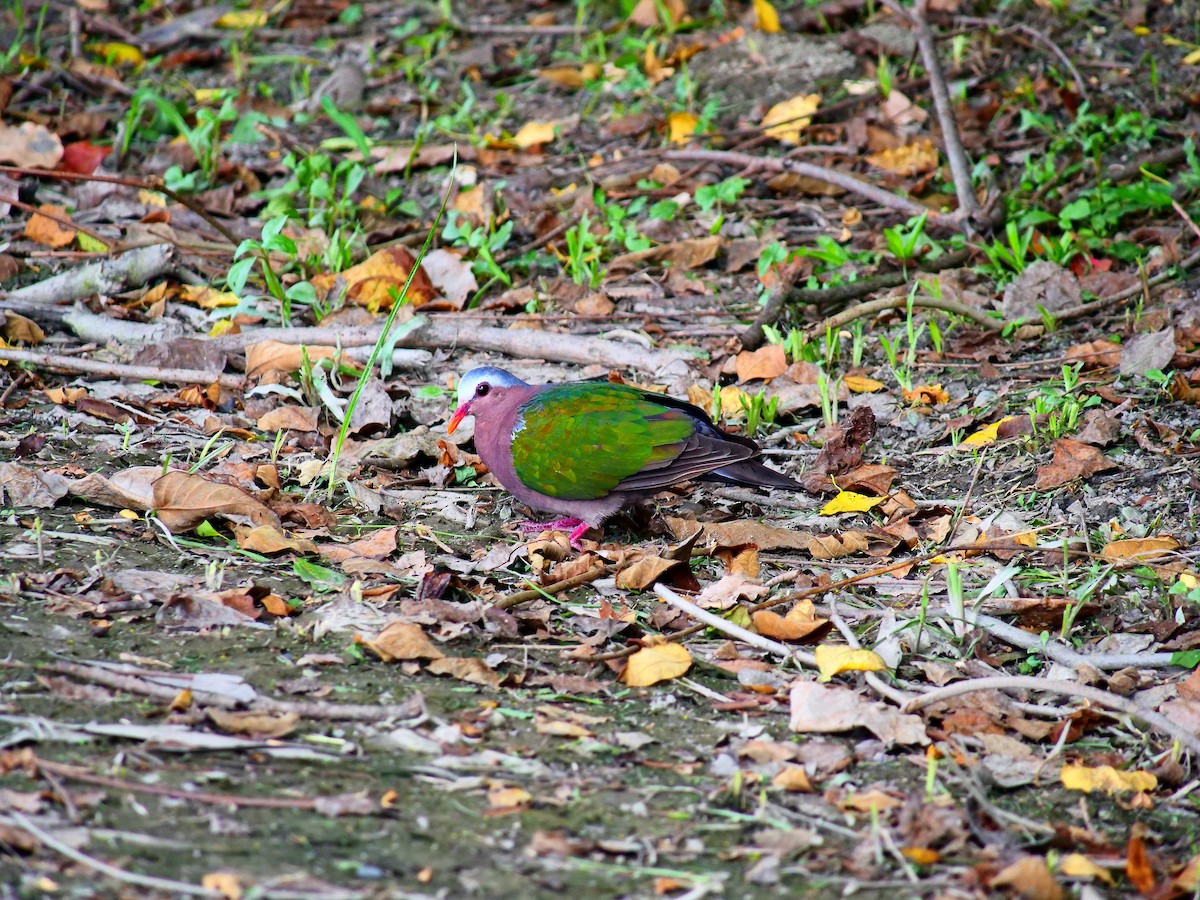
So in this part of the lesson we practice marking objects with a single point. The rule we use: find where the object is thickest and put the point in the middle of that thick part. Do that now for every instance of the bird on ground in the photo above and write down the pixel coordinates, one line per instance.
(585, 450)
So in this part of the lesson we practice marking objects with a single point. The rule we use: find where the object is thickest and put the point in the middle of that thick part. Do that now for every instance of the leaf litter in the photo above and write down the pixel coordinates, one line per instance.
(1004, 514)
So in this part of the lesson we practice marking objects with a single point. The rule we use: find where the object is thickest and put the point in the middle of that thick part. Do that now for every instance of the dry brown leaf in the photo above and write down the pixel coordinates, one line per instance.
(469, 669)
(378, 545)
(183, 500)
(276, 356)
(681, 255)
(1072, 460)
(766, 363)
(793, 779)
(728, 590)
(20, 330)
(403, 640)
(270, 539)
(644, 572)
(912, 159)
(829, 708)
(31, 145)
(800, 622)
(260, 724)
(646, 13)
(1029, 878)
(289, 418)
(372, 282)
(570, 76)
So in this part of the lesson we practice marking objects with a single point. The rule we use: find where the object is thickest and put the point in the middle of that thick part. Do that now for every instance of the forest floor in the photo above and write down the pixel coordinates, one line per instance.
(267, 630)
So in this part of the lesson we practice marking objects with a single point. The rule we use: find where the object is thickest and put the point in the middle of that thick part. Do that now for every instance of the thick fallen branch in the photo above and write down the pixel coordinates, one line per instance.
(448, 333)
(108, 276)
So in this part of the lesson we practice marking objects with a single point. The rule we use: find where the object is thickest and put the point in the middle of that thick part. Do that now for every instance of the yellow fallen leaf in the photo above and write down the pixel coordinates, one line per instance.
(1076, 865)
(570, 76)
(784, 121)
(859, 384)
(506, 798)
(650, 665)
(911, 159)
(985, 436)
(833, 659)
(117, 53)
(531, 134)
(1189, 580)
(1105, 778)
(766, 18)
(850, 501)
(1192, 58)
(793, 779)
(243, 18)
(680, 127)
(227, 884)
(922, 856)
(927, 395)
(205, 297)
(89, 244)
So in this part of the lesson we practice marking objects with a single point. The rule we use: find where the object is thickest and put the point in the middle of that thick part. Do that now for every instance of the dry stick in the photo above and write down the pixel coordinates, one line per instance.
(753, 337)
(1057, 652)
(149, 184)
(335, 712)
(60, 220)
(711, 620)
(871, 307)
(1087, 309)
(864, 189)
(120, 370)
(439, 334)
(960, 168)
(12, 386)
(555, 588)
(147, 881)
(1100, 697)
(77, 773)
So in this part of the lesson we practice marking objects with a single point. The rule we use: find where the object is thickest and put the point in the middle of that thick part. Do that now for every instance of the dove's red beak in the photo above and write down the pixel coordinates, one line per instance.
(459, 414)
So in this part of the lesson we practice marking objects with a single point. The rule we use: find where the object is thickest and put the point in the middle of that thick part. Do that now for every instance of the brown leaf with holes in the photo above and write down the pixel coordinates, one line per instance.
(1072, 460)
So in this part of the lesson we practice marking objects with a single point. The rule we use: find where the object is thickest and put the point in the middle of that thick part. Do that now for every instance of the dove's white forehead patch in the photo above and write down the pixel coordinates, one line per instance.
(491, 375)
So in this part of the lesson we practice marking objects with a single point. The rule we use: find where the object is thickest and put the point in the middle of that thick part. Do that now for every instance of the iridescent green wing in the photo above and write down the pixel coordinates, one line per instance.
(580, 441)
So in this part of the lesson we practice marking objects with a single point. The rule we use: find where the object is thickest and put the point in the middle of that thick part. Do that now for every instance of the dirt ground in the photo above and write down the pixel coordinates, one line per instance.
(220, 677)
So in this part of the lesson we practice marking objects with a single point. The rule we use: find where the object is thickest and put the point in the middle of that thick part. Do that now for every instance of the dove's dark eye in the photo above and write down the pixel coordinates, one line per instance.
(483, 388)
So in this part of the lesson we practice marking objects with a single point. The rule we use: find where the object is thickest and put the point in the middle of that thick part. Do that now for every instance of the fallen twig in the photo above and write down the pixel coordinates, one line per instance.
(120, 370)
(1100, 697)
(167, 885)
(864, 189)
(960, 168)
(753, 336)
(1087, 309)
(710, 620)
(556, 587)
(870, 307)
